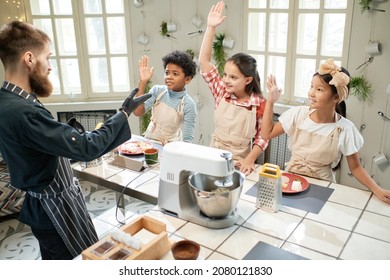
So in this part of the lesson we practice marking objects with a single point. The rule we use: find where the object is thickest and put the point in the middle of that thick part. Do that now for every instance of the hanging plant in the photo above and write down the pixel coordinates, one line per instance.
(219, 54)
(360, 87)
(191, 53)
(145, 118)
(164, 30)
(364, 5)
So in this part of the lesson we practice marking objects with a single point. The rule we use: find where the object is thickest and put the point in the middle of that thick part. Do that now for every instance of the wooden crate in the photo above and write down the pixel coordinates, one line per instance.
(153, 250)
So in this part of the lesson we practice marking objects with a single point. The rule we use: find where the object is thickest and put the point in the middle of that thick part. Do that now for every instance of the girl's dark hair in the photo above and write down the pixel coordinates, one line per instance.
(341, 108)
(183, 60)
(248, 67)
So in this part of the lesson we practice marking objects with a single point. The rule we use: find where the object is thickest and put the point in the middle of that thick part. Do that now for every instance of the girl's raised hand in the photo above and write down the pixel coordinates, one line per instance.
(216, 16)
(273, 91)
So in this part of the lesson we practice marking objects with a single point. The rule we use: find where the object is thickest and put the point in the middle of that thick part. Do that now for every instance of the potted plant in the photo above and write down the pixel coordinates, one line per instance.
(191, 53)
(164, 30)
(145, 118)
(366, 5)
(219, 54)
(360, 87)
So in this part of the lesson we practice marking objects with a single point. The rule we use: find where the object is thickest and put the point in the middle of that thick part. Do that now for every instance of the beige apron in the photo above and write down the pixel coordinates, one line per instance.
(165, 121)
(312, 153)
(235, 127)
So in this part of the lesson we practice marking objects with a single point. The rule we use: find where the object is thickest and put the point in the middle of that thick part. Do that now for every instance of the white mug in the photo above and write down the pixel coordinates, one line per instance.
(171, 27)
(373, 48)
(197, 21)
(228, 42)
(143, 39)
(381, 160)
(138, 3)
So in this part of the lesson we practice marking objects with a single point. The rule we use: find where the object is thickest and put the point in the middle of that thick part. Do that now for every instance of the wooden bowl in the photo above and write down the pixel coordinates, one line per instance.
(185, 250)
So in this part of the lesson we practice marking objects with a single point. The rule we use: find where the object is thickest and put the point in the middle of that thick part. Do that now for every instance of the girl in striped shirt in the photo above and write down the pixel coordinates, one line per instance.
(239, 103)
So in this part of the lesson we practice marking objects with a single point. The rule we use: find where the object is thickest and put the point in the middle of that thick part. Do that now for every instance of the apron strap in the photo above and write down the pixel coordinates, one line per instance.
(181, 105)
(159, 96)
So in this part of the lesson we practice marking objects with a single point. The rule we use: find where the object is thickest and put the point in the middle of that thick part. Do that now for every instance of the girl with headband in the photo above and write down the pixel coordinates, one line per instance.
(318, 134)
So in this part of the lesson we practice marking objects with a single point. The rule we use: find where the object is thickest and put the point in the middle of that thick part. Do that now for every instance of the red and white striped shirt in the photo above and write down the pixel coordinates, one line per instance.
(217, 87)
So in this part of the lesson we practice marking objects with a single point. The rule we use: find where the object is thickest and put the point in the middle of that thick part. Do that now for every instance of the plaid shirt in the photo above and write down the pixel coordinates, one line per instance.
(218, 90)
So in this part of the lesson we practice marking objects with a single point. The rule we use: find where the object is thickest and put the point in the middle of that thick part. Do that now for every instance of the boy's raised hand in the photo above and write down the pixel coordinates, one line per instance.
(145, 73)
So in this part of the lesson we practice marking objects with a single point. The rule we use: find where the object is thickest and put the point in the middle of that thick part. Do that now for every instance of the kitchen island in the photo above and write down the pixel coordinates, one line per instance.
(333, 222)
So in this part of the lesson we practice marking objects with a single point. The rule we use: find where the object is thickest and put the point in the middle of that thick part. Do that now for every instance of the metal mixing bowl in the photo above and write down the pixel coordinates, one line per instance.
(214, 199)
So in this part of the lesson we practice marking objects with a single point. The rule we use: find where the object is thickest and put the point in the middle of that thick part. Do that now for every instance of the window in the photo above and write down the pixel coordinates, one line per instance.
(90, 52)
(291, 38)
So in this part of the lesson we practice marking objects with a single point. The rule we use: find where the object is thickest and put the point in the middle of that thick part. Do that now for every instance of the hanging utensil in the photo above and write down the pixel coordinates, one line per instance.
(374, 9)
(383, 115)
(200, 31)
(369, 60)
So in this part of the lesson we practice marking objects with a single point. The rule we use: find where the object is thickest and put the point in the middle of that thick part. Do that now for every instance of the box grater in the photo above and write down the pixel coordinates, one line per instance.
(269, 192)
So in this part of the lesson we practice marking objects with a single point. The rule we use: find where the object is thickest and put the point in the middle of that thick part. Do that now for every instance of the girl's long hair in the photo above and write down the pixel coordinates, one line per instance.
(248, 66)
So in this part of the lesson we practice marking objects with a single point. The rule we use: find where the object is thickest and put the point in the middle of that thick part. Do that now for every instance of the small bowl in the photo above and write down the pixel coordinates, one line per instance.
(185, 250)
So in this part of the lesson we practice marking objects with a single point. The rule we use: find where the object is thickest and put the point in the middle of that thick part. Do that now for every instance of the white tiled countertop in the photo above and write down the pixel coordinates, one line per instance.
(353, 224)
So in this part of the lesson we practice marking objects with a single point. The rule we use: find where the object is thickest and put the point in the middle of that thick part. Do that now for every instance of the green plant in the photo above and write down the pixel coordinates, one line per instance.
(360, 87)
(144, 120)
(191, 53)
(364, 5)
(219, 54)
(164, 29)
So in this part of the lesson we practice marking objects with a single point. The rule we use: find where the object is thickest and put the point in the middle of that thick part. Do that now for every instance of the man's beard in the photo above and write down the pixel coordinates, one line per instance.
(39, 82)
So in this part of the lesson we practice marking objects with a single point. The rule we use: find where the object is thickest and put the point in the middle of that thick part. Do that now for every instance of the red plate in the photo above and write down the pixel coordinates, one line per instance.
(134, 147)
(287, 181)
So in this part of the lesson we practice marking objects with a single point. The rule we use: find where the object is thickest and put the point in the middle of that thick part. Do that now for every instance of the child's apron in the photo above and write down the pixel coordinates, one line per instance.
(165, 122)
(235, 127)
(313, 154)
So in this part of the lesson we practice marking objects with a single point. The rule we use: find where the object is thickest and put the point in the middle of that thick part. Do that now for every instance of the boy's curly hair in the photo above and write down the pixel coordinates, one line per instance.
(183, 60)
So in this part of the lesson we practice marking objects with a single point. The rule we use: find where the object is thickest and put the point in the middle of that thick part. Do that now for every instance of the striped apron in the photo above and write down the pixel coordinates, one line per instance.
(64, 203)
(63, 199)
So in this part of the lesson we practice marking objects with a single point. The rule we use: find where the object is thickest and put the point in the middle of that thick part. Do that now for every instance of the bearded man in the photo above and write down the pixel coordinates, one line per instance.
(37, 148)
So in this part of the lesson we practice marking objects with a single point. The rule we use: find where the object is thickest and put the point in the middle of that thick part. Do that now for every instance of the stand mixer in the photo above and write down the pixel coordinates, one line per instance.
(179, 161)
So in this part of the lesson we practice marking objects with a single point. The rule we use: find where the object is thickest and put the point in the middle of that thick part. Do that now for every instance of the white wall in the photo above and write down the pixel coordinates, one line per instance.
(148, 18)
(368, 26)
(371, 26)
